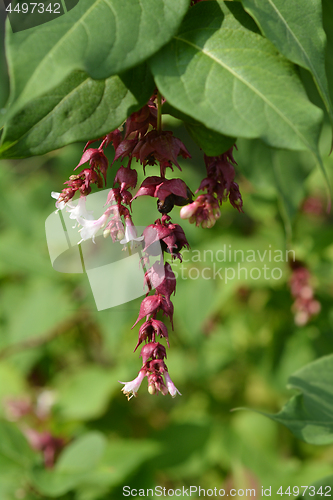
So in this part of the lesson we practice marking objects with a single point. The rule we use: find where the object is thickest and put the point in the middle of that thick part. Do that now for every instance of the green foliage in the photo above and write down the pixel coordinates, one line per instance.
(310, 415)
(261, 94)
(288, 27)
(72, 110)
(101, 39)
(227, 70)
(279, 173)
(212, 143)
(91, 464)
(84, 395)
(320, 488)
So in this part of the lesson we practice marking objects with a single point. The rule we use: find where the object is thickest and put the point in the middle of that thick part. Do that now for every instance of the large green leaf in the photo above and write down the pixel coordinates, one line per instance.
(321, 488)
(76, 461)
(100, 37)
(83, 454)
(295, 28)
(91, 463)
(309, 415)
(85, 394)
(235, 82)
(79, 109)
(14, 447)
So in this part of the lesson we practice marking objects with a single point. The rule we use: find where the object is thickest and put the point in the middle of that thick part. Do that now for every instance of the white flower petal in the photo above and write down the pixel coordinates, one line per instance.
(130, 389)
(130, 235)
(79, 210)
(60, 205)
(170, 385)
(91, 227)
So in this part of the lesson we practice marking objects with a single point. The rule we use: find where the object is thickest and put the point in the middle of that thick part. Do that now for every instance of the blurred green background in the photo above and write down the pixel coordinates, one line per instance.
(234, 345)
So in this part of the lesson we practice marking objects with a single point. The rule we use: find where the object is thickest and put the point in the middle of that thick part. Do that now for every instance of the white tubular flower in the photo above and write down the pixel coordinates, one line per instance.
(91, 227)
(170, 385)
(130, 389)
(79, 210)
(60, 205)
(130, 233)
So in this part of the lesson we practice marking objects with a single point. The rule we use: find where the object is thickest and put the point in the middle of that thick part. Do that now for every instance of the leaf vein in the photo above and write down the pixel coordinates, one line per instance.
(245, 82)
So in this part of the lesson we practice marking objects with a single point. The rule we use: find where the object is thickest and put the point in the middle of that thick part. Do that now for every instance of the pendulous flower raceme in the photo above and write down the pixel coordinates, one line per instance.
(146, 142)
(219, 186)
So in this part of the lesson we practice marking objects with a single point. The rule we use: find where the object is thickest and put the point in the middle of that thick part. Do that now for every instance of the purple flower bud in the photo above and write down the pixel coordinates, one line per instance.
(96, 158)
(152, 350)
(235, 197)
(126, 177)
(161, 188)
(161, 147)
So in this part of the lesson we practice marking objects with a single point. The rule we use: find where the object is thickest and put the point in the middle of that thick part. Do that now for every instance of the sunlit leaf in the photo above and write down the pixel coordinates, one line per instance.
(85, 394)
(79, 109)
(99, 38)
(296, 30)
(309, 415)
(235, 82)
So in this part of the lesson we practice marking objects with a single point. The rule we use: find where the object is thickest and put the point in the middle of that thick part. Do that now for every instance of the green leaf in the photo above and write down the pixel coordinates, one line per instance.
(295, 28)
(14, 447)
(235, 82)
(309, 415)
(12, 383)
(101, 38)
(85, 394)
(77, 460)
(79, 109)
(211, 142)
(83, 454)
(54, 484)
(49, 304)
(109, 465)
(318, 489)
(121, 458)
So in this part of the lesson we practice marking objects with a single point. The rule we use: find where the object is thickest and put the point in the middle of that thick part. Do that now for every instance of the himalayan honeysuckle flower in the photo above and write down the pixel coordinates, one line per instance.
(130, 389)
(90, 228)
(144, 140)
(130, 233)
(79, 210)
(60, 204)
(75, 210)
(170, 385)
(204, 210)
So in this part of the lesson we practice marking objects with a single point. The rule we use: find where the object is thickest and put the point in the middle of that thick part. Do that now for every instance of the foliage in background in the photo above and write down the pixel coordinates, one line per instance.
(62, 359)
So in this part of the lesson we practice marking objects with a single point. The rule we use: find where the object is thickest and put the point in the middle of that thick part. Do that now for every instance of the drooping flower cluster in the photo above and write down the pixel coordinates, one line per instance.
(94, 174)
(146, 142)
(219, 186)
(305, 305)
